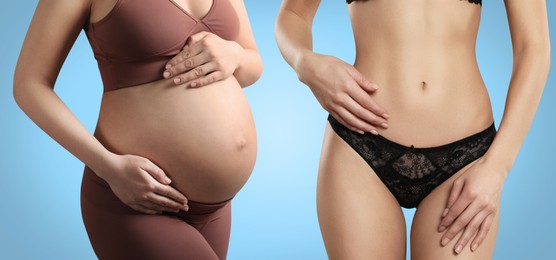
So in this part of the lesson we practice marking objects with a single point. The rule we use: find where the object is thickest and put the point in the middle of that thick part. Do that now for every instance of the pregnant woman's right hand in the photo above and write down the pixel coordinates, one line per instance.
(142, 185)
(343, 92)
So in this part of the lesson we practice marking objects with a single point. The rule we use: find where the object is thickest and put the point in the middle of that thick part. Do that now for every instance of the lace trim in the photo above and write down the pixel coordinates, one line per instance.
(412, 173)
(479, 2)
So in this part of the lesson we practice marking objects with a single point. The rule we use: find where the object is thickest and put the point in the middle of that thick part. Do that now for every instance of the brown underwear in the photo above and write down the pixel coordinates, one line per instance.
(117, 231)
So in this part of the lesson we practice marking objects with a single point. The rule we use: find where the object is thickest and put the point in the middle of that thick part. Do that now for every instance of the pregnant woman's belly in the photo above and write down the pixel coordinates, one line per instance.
(203, 138)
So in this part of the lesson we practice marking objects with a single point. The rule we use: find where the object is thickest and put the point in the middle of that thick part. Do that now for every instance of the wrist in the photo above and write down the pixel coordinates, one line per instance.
(103, 163)
(303, 65)
(503, 163)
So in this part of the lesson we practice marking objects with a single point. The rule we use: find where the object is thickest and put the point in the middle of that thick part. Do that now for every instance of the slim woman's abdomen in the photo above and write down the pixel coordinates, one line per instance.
(425, 95)
(203, 138)
(425, 65)
(426, 89)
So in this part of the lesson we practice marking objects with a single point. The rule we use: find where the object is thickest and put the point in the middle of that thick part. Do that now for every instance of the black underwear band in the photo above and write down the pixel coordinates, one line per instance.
(479, 2)
(412, 173)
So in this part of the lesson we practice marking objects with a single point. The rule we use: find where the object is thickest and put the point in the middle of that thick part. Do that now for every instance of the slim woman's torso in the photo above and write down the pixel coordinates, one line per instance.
(421, 53)
(203, 138)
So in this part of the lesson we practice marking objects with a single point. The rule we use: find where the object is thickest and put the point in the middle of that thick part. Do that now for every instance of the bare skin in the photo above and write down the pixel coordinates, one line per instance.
(157, 144)
(415, 81)
(358, 216)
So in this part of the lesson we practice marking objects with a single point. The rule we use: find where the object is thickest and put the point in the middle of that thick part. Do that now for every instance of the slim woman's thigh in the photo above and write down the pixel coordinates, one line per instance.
(116, 231)
(358, 216)
(425, 240)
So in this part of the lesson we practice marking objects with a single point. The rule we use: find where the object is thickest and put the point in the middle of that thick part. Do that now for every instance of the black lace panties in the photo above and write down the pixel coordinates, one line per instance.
(470, 1)
(412, 173)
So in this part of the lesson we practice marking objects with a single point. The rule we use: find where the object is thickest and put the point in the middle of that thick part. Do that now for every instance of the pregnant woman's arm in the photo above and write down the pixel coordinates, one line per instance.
(56, 24)
(475, 196)
(338, 86)
(207, 58)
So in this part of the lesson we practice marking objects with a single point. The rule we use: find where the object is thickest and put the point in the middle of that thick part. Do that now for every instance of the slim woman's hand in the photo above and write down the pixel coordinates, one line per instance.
(343, 92)
(142, 185)
(473, 203)
(206, 58)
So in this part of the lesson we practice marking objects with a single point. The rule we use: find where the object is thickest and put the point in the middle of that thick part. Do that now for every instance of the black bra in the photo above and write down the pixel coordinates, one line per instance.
(480, 2)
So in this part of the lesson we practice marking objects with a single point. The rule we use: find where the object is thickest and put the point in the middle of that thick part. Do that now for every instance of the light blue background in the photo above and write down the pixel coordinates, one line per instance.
(274, 216)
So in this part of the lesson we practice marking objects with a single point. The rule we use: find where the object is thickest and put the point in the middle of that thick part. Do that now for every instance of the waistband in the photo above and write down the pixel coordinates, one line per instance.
(489, 131)
(195, 207)
(201, 208)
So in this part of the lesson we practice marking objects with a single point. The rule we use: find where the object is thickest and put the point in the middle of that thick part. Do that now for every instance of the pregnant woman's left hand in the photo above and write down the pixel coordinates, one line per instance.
(473, 203)
(206, 58)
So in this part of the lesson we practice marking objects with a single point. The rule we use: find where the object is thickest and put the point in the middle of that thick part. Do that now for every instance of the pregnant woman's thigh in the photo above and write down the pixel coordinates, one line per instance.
(203, 138)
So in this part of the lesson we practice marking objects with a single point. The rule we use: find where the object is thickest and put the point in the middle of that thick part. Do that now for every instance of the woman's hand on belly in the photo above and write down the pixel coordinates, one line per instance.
(205, 59)
(343, 92)
(474, 201)
(142, 185)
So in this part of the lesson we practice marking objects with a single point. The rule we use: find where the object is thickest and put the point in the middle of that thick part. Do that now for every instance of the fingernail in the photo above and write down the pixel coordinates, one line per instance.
(441, 228)
(168, 181)
(186, 208)
(166, 74)
(384, 125)
(374, 132)
(194, 84)
(375, 86)
(177, 80)
(444, 241)
(474, 247)
(458, 249)
(386, 115)
(445, 212)
(168, 66)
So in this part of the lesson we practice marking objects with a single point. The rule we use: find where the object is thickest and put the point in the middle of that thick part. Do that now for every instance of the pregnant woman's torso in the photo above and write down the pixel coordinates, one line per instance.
(203, 138)
(421, 53)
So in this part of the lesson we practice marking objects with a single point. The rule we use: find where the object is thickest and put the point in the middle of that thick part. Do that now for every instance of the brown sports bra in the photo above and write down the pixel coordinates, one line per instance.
(136, 39)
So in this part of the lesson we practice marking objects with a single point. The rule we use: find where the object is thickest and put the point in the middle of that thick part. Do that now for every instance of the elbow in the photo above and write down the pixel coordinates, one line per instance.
(20, 86)
(249, 80)
(27, 87)
(279, 34)
(278, 24)
(18, 91)
(538, 54)
(258, 72)
(544, 53)
(548, 55)
(545, 60)
(535, 50)
(21, 95)
(254, 74)
(25, 91)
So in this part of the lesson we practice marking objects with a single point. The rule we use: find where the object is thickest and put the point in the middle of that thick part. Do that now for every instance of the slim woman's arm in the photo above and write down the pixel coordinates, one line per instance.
(531, 51)
(53, 30)
(338, 86)
(475, 196)
(207, 58)
(294, 31)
